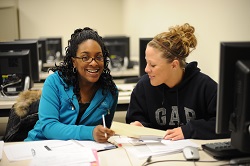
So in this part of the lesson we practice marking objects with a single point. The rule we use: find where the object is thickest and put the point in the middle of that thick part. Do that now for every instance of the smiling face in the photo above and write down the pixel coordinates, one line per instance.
(88, 72)
(160, 70)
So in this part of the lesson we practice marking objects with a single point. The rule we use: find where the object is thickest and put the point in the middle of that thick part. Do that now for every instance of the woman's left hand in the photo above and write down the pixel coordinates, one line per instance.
(174, 134)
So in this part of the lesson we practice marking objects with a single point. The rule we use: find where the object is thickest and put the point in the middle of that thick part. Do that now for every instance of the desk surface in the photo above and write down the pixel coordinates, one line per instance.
(122, 157)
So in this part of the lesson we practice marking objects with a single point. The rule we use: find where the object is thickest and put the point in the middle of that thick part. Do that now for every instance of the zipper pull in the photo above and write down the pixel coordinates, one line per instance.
(72, 105)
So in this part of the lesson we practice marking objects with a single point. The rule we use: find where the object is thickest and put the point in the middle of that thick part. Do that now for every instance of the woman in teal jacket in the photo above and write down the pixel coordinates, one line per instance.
(78, 93)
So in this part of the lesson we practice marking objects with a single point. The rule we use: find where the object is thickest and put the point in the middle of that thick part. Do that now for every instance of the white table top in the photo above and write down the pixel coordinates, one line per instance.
(122, 157)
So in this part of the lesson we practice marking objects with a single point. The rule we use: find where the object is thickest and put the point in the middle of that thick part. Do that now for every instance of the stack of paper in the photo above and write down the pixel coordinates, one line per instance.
(97, 146)
(153, 148)
(53, 153)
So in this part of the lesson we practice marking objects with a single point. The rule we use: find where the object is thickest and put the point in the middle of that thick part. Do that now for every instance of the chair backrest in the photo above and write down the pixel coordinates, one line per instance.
(23, 116)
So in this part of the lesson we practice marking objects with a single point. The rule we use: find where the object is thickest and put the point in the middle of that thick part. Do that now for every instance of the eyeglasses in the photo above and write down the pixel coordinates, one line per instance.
(88, 59)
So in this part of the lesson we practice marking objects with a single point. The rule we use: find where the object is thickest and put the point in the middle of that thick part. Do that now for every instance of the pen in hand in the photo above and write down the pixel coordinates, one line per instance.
(104, 124)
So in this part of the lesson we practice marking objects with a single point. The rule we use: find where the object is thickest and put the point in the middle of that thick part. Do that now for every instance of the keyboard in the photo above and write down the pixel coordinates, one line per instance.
(223, 150)
(8, 98)
(1, 149)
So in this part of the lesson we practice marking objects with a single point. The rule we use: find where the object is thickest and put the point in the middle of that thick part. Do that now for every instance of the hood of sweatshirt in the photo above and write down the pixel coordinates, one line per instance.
(191, 70)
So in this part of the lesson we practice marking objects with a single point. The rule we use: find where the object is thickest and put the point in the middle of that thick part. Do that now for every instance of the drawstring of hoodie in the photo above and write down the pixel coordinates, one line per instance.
(177, 96)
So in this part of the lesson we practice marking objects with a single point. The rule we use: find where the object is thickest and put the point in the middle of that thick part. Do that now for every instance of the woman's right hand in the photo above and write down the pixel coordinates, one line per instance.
(99, 134)
(136, 123)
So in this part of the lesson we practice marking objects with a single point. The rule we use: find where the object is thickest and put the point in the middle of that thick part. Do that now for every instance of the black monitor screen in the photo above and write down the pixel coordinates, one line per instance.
(118, 47)
(20, 45)
(43, 48)
(231, 82)
(54, 49)
(15, 66)
(142, 61)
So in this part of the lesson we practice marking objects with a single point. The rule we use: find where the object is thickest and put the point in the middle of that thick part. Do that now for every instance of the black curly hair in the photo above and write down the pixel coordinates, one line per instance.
(65, 68)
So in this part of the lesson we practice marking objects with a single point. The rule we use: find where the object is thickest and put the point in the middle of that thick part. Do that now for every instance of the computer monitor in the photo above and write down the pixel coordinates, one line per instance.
(233, 108)
(119, 48)
(54, 50)
(142, 48)
(19, 45)
(142, 61)
(15, 72)
(42, 49)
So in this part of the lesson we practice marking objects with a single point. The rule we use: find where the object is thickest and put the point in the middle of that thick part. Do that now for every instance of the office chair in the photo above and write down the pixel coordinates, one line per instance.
(23, 116)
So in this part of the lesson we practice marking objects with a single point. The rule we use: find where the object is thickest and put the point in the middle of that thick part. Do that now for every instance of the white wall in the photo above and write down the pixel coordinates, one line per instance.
(61, 17)
(8, 20)
(214, 20)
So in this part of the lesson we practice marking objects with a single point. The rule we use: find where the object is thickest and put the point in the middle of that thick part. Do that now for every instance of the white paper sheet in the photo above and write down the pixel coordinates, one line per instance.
(152, 148)
(97, 146)
(66, 157)
(57, 153)
(16, 152)
(170, 146)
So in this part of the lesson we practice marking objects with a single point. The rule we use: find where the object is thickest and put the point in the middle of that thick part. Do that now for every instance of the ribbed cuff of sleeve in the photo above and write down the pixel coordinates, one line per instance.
(187, 131)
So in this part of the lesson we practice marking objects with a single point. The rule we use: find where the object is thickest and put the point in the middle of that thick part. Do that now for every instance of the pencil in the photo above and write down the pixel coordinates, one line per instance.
(104, 124)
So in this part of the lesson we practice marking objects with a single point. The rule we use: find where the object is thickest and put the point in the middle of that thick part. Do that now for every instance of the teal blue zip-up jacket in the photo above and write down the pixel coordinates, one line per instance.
(59, 108)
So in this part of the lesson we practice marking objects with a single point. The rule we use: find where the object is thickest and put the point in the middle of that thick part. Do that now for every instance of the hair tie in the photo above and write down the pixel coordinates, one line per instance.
(162, 45)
